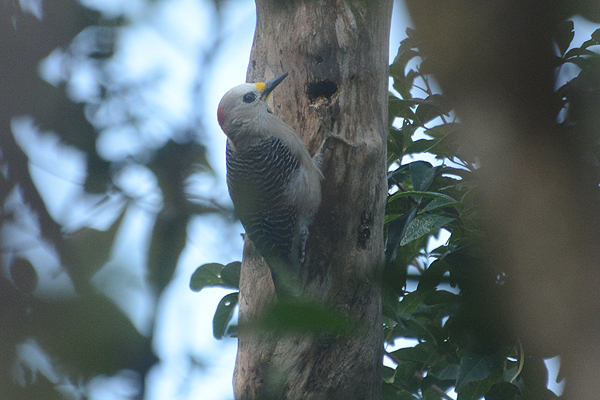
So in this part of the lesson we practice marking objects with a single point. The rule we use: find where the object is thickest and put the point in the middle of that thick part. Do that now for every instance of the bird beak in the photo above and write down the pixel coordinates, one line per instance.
(270, 85)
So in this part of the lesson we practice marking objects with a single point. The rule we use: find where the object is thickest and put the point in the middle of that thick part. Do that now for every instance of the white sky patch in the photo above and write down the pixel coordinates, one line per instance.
(187, 320)
(34, 7)
(553, 366)
(50, 68)
(123, 278)
(57, 170)
(440, 240)
(160, 54)
(138, 182)
(32, 360)
(48, 152)
(121, 386)
(144, 54)
(185, 24)
(83, 82)
(119, 142)
(583, 30)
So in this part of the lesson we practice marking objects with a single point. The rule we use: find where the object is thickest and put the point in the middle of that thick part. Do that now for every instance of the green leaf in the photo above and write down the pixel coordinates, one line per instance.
(411, 301)
(404, 85)
(395, 141)
(223, 314)
(428, 110)
(433, 275)
(206, 275)
(215, 274)
(502, 391)
(391, 217)
(440, 297)
(420, 146)
(585, 63)
(230, 274)
(403, 82)
(421, 175)
(476, 367)
(413, 193)
(476, 390)
(405, 376)
(596, 36)
(395, 234)
(564, 36)
(429, 394)
(418, 328)
(439, 202)
(418, 354)
(404, 55)
(399, 175)
(443, 130)
(400, 108)
(424, 225)
(388, 374)
(578, 52)
(449, 373)
(391, 392)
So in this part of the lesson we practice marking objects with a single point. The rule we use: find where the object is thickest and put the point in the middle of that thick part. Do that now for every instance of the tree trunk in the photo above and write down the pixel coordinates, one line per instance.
(337, 55)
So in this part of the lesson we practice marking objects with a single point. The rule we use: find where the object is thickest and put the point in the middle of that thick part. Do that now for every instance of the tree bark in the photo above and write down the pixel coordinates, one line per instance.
(336, 53)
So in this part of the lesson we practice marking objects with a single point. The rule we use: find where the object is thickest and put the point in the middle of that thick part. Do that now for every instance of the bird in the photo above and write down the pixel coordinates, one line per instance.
(274, 183)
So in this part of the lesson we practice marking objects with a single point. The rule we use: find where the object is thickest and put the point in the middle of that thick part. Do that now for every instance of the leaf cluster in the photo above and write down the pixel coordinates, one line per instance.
(446, 299)
(281, 317)
(227, 277)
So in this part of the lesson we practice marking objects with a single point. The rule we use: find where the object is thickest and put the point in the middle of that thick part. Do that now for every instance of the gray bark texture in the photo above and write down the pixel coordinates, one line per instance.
(494, 61)
(336, 52)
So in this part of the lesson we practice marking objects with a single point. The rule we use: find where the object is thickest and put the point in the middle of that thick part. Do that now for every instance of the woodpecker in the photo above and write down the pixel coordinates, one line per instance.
(274, 183)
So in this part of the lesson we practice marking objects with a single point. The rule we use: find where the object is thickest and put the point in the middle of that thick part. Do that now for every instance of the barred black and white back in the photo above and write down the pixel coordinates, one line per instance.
(257, 178)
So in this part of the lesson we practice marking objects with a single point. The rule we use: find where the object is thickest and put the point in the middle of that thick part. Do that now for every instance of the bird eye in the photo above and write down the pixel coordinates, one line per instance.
(249, 97)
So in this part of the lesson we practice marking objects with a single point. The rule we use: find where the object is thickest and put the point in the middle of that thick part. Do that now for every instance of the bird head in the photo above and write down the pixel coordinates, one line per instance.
(245, 103)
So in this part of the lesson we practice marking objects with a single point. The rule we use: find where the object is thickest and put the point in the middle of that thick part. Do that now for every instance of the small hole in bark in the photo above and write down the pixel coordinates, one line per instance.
(319, 59)
(324, 88)
(364, 231)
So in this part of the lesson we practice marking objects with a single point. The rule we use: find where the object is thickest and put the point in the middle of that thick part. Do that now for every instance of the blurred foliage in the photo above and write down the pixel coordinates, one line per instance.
(52, 346)
(454, 310)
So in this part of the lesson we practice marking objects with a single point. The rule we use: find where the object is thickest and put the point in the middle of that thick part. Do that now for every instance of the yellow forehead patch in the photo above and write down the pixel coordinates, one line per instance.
(261, 86)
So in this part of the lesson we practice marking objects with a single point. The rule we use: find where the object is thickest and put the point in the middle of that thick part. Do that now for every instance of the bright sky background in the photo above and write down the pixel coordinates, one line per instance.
(168, 36)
